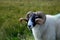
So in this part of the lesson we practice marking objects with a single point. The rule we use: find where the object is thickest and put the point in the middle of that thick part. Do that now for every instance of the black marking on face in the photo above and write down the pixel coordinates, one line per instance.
(33, 17)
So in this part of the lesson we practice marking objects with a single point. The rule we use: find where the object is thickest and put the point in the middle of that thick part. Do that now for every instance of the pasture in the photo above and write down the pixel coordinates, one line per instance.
(12, 10)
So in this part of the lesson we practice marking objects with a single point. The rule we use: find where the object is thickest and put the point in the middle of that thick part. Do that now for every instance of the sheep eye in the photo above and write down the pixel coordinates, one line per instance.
(40, 17)
(36, 17)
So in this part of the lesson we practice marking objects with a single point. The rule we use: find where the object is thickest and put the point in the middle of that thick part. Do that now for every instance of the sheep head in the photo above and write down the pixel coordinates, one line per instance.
(33, 18)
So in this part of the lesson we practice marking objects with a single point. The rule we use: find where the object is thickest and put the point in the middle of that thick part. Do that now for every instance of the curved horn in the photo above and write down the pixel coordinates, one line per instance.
(22, 19)
(27, 16)
(42, 17)
(39, 21)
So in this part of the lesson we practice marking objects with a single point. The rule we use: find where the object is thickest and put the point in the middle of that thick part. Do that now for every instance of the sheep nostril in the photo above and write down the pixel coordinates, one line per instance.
(29, 27)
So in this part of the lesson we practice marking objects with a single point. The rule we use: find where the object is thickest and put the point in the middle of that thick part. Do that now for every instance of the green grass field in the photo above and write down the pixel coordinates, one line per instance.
(12, 10)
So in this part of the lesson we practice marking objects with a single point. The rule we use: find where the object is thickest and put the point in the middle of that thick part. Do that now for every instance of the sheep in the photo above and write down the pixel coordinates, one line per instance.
(43, 26)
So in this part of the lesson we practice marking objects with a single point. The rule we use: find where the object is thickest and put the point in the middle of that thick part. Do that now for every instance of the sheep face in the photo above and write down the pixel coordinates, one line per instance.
(35, 18)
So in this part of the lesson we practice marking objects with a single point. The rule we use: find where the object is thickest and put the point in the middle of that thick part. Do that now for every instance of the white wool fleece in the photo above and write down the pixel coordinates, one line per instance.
(49, 30)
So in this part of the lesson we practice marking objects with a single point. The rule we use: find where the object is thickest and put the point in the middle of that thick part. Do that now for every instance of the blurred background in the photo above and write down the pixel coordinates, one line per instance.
(12, 10)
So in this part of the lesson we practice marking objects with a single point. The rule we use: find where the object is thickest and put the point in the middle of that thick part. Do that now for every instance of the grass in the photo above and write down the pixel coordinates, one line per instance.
(12, 10)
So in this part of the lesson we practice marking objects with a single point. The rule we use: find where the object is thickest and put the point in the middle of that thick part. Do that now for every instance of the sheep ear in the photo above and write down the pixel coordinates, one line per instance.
(22, 19)
(39, 21)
